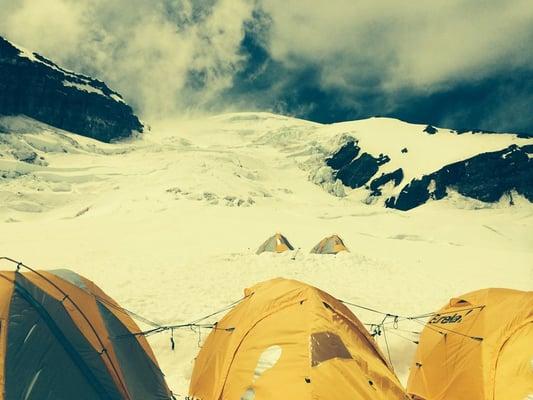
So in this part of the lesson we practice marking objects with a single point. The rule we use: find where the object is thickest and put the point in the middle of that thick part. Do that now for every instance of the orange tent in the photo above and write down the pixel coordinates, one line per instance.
(289, 340)
(478, 347)
(330, 245)
(275, 244)
(61, 337)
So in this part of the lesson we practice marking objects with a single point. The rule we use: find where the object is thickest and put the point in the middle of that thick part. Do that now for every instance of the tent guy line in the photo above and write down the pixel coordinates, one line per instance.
(375, 329)
(398, 317)
(157, 327)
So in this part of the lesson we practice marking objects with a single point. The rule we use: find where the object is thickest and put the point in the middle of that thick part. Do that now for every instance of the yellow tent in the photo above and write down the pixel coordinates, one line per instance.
(330, 245)
(478, 347)
(62, 337)
(275, 244)
(289, 340)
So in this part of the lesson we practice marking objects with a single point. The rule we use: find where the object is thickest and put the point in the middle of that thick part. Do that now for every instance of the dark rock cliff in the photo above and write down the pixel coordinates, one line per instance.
(356, 170)
(36, 87)
(486, 176)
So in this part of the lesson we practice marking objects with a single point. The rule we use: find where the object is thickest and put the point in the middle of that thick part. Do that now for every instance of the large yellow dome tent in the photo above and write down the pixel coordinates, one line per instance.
(330, 245)
(478, 347)
(289, 340)
(63, 338)
(275, 244)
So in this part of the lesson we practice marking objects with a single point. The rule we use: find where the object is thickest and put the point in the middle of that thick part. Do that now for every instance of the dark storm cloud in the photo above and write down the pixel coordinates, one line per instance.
(456, 63)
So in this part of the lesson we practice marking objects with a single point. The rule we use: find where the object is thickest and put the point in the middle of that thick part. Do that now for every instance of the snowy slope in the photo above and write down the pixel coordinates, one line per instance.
(168, 224)
(405, 165)
(425, 152)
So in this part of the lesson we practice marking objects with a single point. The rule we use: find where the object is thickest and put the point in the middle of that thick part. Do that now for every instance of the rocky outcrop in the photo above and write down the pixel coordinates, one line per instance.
(396, 177)
(430, 130)
(354, 171)
(36, 87)
(486, 177)
(344, 155)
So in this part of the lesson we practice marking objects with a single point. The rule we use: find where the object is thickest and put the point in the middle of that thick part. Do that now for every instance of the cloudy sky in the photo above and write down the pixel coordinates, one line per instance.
(458, 63)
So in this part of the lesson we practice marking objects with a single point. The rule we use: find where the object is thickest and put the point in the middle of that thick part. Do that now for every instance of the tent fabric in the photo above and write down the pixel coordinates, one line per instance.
(330, 245)
(141, 374)
(275, 244)
(477, 347)
(60, 338)
(33, 339)
(290, 340)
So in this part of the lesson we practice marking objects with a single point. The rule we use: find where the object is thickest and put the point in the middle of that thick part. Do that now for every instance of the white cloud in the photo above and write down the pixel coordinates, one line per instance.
(145, 49)
(49, 25)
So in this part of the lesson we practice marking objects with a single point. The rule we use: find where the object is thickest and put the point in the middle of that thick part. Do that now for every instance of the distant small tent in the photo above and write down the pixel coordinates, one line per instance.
(477, 347)
(330, 245)
(289, 340)
(63, 338)
(275, 244)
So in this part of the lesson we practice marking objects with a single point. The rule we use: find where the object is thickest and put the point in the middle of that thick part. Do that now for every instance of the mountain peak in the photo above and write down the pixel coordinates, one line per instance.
(38, 88)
